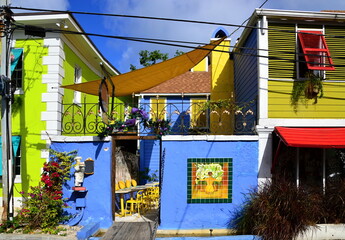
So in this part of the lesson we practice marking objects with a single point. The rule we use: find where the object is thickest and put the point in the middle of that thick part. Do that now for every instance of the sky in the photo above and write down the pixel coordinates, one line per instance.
(122, 53)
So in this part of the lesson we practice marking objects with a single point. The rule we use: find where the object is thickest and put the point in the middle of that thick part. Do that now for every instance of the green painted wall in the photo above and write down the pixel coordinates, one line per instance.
(283, 45)
(71, 61)
(26, 120)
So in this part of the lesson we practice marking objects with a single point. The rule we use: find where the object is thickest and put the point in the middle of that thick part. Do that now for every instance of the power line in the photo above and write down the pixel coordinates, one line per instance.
(242, 24)
(174, 42)
(165, 42)
(172, 19)
(128, 16)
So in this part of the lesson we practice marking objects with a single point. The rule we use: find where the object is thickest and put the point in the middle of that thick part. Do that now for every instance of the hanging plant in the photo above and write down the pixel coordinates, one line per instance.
(310, 88)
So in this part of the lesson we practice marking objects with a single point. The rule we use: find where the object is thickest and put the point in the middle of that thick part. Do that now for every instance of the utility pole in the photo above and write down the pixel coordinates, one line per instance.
(5, 108)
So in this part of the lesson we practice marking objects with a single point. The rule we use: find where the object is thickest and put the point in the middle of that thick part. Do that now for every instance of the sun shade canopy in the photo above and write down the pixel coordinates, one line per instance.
(312, 137)
(315, 50)
(145, 78)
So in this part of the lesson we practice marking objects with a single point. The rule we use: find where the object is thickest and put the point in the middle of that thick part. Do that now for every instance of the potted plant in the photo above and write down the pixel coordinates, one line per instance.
(313, 87)
(309, 88)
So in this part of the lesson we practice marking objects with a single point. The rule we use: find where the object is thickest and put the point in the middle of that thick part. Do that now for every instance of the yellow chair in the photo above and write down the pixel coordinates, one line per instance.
(135, 204)
(152, 197)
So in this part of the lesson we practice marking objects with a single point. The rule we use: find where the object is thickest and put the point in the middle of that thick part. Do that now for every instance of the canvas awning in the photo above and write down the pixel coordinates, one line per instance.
(145, 78)
(326, 137)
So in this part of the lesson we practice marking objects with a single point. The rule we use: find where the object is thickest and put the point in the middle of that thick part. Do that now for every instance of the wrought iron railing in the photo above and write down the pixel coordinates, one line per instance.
(184, 118)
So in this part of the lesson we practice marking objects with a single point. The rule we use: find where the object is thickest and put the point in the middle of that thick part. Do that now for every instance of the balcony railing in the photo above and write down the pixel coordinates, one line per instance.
(196, 118)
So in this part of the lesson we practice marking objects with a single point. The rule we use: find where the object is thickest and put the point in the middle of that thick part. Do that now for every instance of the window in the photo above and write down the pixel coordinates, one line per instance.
(199, 115)
(313, 54)
(158, 108)
(16, 141)
(17, 67)
(77, 79)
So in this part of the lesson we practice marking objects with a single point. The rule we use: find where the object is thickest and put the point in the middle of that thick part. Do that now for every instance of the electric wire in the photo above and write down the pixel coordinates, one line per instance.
(173, 20)
(242, 24)
(174, 43)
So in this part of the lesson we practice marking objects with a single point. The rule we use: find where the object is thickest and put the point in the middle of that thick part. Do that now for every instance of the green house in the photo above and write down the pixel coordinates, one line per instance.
(40, 65)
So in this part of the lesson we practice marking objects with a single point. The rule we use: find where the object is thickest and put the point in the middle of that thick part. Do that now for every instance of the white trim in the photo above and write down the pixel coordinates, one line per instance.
(79, 139)
(72, 25)
(41, 17)
(262, 42)
(264, 153)
(300, 14)
(292, 122)
(78, 78)
(216, 39)
(171, 94)
(81, 57)
(293, 80)
(210, 138)
(53, 97)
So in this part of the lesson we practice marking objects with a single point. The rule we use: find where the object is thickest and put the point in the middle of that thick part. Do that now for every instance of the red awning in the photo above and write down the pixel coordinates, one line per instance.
(312, 137)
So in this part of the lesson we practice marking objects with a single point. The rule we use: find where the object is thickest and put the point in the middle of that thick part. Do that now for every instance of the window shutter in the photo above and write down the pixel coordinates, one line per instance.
(315, 50)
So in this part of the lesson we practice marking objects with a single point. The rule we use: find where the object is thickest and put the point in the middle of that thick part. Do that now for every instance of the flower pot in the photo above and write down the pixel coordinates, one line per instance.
(311, 91)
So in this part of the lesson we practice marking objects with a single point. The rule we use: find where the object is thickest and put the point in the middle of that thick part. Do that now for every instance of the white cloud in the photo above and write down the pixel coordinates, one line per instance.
(222, 11)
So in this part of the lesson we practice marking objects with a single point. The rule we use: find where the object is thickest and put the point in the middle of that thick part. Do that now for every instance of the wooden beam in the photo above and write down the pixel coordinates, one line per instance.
(113, 175)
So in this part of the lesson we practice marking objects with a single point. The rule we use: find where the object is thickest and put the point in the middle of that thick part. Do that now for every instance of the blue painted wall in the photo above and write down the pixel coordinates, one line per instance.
(98, 185)
(175, 212)
(246, 81)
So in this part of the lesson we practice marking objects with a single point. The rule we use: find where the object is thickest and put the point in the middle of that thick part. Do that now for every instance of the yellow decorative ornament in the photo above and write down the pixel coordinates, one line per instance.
(122, 185)
(128, 183)
(117, 187)
(134, 183)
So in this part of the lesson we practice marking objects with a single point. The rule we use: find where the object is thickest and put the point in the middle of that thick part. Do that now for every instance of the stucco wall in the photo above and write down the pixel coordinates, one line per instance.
(175, 212)
(98, 185)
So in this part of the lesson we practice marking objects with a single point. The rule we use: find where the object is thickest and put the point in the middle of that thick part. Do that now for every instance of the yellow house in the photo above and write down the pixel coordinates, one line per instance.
(290, 64)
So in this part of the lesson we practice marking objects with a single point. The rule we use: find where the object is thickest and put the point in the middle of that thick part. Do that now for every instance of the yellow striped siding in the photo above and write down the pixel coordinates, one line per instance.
(285, 42)
(332, 105)
(336, 47)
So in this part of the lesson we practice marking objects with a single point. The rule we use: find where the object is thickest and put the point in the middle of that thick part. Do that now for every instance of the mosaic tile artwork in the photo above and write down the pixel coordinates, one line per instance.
(209, 180)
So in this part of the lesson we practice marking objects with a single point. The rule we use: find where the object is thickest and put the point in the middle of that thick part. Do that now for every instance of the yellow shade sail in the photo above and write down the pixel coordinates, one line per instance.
(148, 77)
